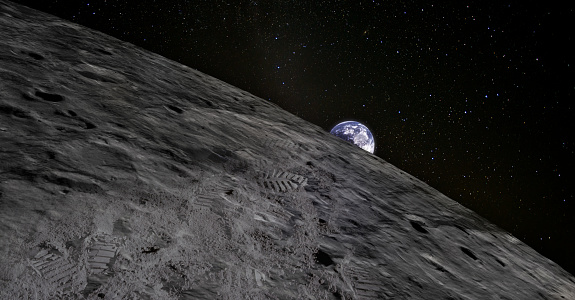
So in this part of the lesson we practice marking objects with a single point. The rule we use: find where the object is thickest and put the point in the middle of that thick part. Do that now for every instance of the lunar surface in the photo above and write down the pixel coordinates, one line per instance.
(355, 133)
(124, 175)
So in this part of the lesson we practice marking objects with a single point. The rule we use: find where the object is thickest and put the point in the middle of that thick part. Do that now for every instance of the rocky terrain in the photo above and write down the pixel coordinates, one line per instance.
(124, 175)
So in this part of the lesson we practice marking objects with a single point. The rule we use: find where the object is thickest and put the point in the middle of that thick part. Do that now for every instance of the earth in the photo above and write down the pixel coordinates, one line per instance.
(355, 133)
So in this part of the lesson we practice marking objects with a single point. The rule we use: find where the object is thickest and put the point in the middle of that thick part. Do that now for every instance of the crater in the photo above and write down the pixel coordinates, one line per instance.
(105, 52)
(49, 97)
(344, 160)
(152, 249)
(96, 77)
(60, 113)
(74, 184)
(174, 109)
(468, 253)
(461, 228)
(209, 103)
(35, 56)
(28, 97)
(418, 227)
(323, 258)
(89, 125)
(14, 111)
(100, 74)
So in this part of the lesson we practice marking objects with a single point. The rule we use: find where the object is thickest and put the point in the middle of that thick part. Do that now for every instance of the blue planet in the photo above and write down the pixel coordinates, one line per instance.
(355, 133)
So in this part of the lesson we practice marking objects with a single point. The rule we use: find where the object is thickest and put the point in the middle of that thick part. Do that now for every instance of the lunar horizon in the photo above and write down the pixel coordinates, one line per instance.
(124, 174)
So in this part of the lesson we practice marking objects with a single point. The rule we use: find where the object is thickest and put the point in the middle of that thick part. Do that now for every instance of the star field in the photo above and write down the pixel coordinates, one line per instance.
(476, 98)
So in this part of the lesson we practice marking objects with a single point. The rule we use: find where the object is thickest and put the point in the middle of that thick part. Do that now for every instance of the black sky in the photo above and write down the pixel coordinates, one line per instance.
(476, 98)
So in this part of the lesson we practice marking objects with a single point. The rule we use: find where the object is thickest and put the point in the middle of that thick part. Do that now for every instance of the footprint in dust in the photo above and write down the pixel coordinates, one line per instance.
(102, 253)
(53, 267)
(69, 273)
(280, 181)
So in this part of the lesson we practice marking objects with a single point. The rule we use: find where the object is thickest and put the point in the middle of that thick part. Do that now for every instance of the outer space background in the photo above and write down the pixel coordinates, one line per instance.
(476, 98)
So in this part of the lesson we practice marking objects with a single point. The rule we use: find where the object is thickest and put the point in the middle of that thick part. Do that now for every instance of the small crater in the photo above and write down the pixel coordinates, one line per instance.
(148, 250)
(72, 113)
(209, 103)
(284, 143)
(418, 227)
(344, 160)
(180, 172)
(322, 221)
(64, 129)
(440, 268)
(35, 56)
(323, 258)
(89, 125)
(16, 112)
(77, 185)
(49, 97)
(96, 77)
(60, 113)
(105, 52)
(414, 281)
(468, 252)
(500, 262)
(461, 228)
(28, 97)
(353, 222)
(174, 109)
